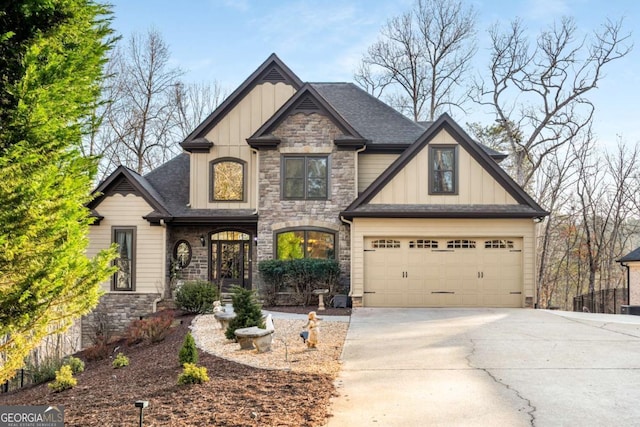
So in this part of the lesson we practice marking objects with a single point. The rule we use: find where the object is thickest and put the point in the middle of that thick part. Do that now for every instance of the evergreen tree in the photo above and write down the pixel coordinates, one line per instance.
(248, 311)
(188, 352)
(51, 58)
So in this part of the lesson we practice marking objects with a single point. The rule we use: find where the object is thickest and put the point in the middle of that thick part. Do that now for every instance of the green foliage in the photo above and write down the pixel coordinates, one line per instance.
(151, 329)
(51, 58)
(75, 364)
(120, 361)
(273, 273)
(192, 374)
(300, 276)
(197, 296)
(45, 370)
(188, 352)
(64, 379)
(248, 311)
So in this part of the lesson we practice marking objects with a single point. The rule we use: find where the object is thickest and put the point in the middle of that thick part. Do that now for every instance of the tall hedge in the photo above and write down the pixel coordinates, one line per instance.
(300, 277)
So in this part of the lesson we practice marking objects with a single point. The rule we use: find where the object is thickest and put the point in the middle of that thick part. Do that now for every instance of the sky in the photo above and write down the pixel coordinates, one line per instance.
(324, 40)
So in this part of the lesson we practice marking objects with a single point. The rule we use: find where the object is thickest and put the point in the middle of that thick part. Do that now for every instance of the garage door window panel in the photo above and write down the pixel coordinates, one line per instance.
(461, 244)
(423, 244)
(498, 244)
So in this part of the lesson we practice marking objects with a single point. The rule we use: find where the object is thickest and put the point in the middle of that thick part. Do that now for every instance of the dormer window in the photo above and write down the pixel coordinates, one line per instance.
(227, 180)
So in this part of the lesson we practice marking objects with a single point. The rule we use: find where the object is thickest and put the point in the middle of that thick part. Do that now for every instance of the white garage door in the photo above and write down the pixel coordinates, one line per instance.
(443, 272)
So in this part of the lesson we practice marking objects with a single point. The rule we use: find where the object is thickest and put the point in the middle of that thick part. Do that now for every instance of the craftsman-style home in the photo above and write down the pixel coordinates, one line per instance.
(417, 214)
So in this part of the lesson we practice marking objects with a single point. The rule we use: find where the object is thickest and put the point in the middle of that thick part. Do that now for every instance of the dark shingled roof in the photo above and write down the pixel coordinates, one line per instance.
(631, 256)
(373, 119)
(172, 183)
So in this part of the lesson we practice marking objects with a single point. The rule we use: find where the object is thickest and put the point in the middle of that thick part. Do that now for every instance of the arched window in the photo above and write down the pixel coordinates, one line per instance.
(306, 243)
(227, 180)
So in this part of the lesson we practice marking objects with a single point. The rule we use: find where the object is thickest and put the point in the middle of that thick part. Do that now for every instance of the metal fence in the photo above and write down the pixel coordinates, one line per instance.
(22, 379)
(603, 301)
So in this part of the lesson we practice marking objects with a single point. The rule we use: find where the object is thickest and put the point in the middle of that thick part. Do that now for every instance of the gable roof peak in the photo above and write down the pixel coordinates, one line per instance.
(272, 70)
(306, 100)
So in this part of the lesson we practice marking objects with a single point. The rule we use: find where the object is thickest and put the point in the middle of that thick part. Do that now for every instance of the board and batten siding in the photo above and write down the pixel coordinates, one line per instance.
(634, 282)
(475, 185)
(127, 211)
(229, 140)
(370, 166)
(426, 228)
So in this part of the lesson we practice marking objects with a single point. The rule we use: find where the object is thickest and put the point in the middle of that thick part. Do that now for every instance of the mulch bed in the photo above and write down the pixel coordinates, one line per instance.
(236, 395)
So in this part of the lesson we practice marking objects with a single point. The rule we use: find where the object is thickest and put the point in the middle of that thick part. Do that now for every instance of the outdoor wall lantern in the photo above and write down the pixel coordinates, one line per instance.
(202, 240)
(141, 404)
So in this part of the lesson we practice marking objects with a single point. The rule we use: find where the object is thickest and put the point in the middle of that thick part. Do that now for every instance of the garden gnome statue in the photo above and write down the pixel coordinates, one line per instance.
(314, 330)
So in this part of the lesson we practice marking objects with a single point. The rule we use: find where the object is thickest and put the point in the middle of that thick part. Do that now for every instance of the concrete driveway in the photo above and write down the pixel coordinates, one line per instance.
(488, 367)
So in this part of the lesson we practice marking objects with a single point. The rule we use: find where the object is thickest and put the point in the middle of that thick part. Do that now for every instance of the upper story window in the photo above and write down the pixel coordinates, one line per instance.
(227, 180)
(124, 278)
(306, 243)
(443, 173)
(305, 177)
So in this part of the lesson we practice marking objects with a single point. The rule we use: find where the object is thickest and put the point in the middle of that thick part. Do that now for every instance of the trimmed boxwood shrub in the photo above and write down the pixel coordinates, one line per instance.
(197, 296)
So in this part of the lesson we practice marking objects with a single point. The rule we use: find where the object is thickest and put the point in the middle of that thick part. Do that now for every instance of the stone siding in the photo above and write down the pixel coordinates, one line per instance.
(117, 311)
(306, 134)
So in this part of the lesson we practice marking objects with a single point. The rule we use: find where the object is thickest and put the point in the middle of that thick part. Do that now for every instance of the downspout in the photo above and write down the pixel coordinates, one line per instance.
(256, 179)
(343, 219)
(628, 282)
(164, 265)
(346, 221)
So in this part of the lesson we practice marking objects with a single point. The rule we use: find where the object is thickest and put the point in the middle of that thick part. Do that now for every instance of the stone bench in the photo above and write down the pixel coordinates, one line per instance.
(261, 339)
(224, 319)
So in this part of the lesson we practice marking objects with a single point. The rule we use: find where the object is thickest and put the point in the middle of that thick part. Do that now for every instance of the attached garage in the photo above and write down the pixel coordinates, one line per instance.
(443, 272)
(443, 226)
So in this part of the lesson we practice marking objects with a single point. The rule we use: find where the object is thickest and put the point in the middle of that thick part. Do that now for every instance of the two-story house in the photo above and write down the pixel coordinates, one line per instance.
(417, 214)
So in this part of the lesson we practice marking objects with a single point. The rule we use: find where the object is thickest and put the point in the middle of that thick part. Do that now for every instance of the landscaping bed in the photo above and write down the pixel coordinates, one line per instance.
(236, 395)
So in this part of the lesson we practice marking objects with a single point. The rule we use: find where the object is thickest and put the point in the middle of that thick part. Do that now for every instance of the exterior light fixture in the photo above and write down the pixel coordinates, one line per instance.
(141, 404)
(202, 240)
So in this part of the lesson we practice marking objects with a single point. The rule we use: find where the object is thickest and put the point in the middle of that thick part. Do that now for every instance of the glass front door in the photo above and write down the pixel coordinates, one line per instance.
(231, 260)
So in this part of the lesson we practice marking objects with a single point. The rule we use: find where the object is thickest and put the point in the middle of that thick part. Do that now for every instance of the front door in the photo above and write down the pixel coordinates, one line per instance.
(231, 259)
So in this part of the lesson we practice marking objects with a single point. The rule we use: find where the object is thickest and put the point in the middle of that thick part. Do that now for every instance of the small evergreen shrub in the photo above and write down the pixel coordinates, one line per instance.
(188, 352)
(197, 296)
(75, 364)
(120, 361)
(192, 374)
(64, 379)
(248, 311)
